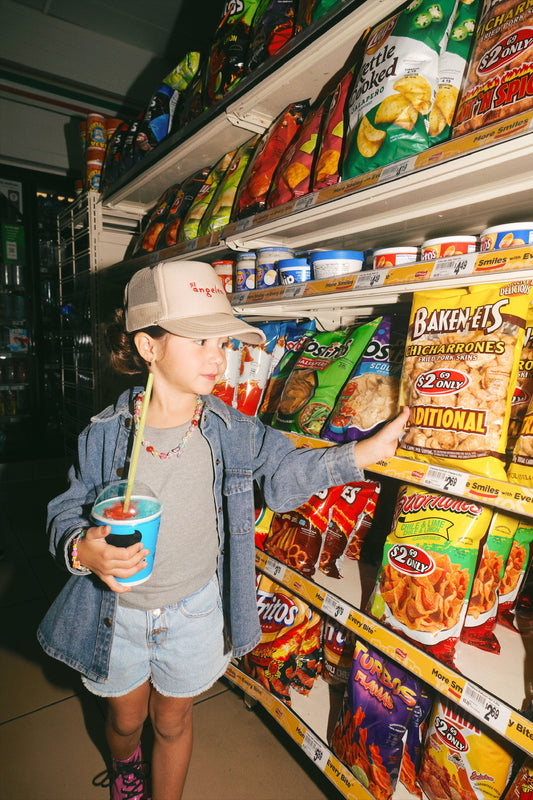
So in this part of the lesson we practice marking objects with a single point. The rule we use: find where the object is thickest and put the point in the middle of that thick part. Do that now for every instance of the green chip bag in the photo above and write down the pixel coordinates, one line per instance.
(319, 374)
(200, 204)
(394, 91)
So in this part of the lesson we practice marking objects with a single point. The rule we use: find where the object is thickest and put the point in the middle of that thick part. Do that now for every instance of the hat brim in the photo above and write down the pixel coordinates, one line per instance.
(213, 326)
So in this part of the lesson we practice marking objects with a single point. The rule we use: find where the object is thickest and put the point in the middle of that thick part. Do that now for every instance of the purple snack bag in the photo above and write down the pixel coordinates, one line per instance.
(370, 396)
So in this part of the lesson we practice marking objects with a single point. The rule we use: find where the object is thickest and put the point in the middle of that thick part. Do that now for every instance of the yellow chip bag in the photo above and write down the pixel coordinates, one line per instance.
(460, 760)
(459, 375)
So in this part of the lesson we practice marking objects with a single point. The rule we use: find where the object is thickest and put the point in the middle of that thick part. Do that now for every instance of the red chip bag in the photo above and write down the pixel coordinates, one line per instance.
(309, 658)
(338, 647)
(326, 170)
(226, 387)
(363, 525)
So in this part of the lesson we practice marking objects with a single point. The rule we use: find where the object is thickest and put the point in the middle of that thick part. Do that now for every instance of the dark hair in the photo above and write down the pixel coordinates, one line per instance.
(124, 355)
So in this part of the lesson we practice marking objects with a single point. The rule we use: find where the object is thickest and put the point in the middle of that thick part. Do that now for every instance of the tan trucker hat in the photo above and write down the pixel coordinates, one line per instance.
(186, 298)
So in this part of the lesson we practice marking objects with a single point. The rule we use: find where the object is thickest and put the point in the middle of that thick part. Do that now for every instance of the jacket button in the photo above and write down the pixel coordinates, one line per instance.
(217, 462)
(120, 472)
(108, 622)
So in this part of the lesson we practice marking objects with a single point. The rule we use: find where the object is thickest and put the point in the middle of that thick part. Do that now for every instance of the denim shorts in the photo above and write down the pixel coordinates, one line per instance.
(180, 648)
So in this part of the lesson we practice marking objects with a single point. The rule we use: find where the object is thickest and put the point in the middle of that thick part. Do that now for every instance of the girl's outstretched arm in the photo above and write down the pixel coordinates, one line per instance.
(383, 444)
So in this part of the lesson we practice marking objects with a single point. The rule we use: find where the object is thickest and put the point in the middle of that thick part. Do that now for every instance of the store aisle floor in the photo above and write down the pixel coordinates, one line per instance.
(51, 730)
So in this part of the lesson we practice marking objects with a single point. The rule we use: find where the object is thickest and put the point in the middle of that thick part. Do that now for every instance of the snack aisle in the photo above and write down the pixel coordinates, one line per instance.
(460, 186)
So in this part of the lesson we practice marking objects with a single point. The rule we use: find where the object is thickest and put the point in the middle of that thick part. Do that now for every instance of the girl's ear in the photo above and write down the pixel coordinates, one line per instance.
(145, 346)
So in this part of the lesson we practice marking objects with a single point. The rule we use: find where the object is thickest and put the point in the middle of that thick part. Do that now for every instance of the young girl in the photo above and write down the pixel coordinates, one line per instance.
(152, 647)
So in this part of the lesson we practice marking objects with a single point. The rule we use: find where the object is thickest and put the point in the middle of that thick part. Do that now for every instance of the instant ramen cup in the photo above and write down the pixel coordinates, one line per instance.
(388, 257)
(330, 263)
(512, 234)
(294, 270)
(140, 523)
(448, 246)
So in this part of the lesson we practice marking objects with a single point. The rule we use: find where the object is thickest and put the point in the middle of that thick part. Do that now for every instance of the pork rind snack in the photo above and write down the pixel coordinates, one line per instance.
(392, 96)
(260, 171)
(429, 560)
(295, 537)
(460, 760)
(309, 658)
(192, 219)
(377, 708)
(459, 374)
(515, 573)
(412, 754)
(338, 650)
(520, 469)
(480, 619)
(452, 66)
(284, 618)
(370, 397)
(344, 524)
(497, 83)
(321, 370)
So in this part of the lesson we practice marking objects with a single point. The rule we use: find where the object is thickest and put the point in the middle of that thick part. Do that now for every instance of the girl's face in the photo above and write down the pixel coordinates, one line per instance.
(191, 365)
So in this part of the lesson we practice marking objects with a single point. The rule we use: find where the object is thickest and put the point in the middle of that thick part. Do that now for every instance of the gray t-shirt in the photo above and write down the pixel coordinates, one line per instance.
(187, 544)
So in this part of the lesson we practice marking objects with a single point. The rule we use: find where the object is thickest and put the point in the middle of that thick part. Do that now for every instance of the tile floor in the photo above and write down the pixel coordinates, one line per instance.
(51, 730)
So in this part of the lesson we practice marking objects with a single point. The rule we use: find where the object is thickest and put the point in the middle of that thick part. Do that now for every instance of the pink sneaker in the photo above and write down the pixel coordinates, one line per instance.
(128, 778)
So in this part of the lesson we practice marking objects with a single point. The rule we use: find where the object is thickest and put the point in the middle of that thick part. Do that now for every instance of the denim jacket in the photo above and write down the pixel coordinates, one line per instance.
(78, 627)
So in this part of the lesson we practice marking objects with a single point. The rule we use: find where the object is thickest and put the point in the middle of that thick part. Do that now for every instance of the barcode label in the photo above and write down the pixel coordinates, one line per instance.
(244, 224)
(447, 480)
(306, 201)
(370, 278)
(315, 750)
(296, 290)
(397, 170)
(455, 266)
(335, 609)
(274, 569)
(495, 714)
(11, 251)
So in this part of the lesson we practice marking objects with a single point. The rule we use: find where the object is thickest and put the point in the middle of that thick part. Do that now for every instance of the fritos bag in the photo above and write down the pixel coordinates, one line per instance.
(460, 760)
(260, 171)
(482, 611)
(460, 367)
(295, 537)
(392, 96)
(515, 572)
(321, 370)
(346, 513)
(378, 705)
(370, 396)
(309, 658)
(284, 618)
(338, 646)
(429, 559)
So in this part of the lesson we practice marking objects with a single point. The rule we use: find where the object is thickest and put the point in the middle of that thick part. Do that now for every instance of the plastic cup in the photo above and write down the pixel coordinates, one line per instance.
(139, 524)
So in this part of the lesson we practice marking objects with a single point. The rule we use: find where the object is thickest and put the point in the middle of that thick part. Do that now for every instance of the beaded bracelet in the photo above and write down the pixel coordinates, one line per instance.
(74, 560)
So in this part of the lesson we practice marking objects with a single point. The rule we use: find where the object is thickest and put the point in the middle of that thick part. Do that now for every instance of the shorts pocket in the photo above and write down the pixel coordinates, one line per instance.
(204, 601)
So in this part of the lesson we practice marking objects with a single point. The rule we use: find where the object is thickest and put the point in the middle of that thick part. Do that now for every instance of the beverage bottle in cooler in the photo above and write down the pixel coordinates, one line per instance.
(10, 403)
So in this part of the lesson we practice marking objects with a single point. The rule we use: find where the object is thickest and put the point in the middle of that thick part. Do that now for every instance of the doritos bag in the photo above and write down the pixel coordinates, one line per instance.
(459, 374)
(327, 166)
(427, 571)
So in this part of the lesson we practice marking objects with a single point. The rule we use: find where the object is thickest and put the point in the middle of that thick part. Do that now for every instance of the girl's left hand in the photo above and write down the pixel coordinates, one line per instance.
(382, 444)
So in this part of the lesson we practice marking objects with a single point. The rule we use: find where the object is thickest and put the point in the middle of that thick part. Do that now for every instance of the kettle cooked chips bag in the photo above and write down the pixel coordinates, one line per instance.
(459, 374)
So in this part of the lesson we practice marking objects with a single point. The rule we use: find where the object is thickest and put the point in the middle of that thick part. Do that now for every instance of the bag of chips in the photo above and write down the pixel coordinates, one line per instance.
(154, 221)
(292, 177)
(258, 177)
(412, 754)
(128, 154)
(111, 169)
(364, 523)
(339, 646)
(427, 571)
(157, 120)
(326, 169)
(256, 367)
(309, 658)
(392, 96)
(273, 26)
(377, 708)
(370, 396)
(182, 75)
(349, 508)
(460, 760)
(220, 209)
(226, 386)
(452, 66)
(480, 619)
(515, 573)
(295, 537)
(179, 206)
(284, 618)
(200, 204)
(523, 392)
(459, 373)
(323, 366)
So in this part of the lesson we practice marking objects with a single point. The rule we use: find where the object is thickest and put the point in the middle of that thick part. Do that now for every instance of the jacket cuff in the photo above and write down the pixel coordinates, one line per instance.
(69, 538)
(342, 465)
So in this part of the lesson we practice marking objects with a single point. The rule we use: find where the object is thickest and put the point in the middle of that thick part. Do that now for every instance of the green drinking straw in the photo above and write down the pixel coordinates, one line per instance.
(138, 440)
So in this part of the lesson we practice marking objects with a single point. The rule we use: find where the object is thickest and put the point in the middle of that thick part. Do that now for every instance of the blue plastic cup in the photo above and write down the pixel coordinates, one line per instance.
(140, 525)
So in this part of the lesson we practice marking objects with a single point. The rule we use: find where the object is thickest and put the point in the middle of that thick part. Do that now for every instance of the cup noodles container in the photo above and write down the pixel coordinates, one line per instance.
(330, 263)
(388, 257)
(224, 270)
(294, 270)
(266, 268)
(94, 175)
(500, 237)
(95, 130)
(448, 246)
(244, 272)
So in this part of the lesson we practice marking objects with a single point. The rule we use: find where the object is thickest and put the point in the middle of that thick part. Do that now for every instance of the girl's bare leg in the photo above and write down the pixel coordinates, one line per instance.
(172, 726)
(125, 719)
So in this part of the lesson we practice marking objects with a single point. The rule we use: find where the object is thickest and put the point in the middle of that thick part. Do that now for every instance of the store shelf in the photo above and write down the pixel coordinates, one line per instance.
(495, 704)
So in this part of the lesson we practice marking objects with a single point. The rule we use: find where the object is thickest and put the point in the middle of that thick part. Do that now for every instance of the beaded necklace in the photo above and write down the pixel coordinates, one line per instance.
(178, 450)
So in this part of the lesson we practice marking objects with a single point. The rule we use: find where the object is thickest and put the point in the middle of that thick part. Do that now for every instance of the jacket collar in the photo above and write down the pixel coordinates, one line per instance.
(124, 406)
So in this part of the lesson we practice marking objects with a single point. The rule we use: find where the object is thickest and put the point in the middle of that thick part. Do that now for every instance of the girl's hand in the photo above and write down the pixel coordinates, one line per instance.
(109, 562)
(383, 444)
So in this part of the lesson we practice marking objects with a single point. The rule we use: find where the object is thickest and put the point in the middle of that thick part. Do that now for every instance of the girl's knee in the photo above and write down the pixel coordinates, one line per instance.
(171, 717)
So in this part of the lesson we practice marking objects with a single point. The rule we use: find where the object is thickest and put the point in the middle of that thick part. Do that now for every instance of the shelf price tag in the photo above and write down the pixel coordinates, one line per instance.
(315, 750)
(446, 480)
(397, 169)
(274, 569)
(305, 201)
(370, 279)
(455, 266)
(294, 291)
(190, 246)
(239, 298)
(485, 707)
(244, 224)
(332, 606)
